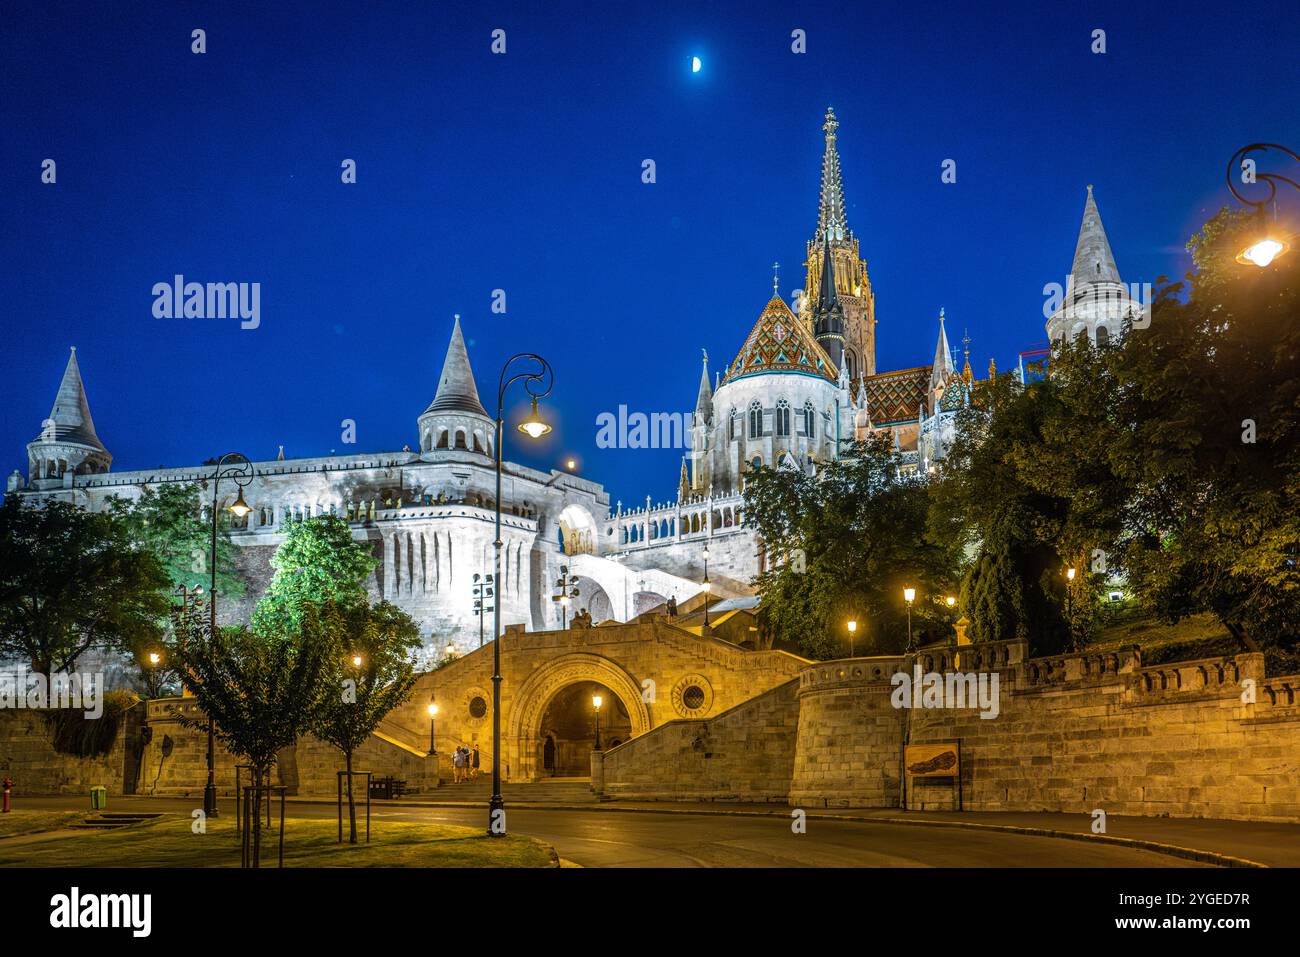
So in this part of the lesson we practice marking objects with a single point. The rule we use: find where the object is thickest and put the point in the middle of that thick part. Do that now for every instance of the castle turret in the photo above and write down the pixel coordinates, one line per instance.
(1095, 303)
(67, 445)
(456, 419)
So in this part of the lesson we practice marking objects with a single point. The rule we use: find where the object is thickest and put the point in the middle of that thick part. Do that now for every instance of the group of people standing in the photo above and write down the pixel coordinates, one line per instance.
(464, 764)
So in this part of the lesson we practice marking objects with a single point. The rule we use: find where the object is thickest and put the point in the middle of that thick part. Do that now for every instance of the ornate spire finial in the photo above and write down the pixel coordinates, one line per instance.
(775, 282)
(831, 124)
(941, 313)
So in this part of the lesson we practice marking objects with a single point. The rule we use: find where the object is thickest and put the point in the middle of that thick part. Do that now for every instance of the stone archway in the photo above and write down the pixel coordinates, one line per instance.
(528, 705)
(577, 531)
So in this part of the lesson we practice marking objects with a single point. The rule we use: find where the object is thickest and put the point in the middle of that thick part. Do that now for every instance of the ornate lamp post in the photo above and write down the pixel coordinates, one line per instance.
(595, 703)
(1069, 603)
(1270, 241)
(909, 596)
(533, 427)
(483, 593)
(238, 468)
(565, 589)
(853, 627)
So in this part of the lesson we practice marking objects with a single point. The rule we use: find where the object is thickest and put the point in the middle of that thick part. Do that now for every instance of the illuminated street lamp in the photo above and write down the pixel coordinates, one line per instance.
(154, 658)
(595, 703)
(356, 661)
(909, 596)
(433, 713)
(534, 427)
(707, 589)
(239, 469)
(853, 627)
(1269, 241)
(951, 601)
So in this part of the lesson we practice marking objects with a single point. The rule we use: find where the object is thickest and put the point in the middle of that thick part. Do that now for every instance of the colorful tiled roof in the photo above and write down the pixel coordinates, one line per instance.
(897, 396)
(780, 343)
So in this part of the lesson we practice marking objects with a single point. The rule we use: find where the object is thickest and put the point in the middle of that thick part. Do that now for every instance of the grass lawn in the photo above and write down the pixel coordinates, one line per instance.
(1197, 636)
(18, 822)
(168, 842)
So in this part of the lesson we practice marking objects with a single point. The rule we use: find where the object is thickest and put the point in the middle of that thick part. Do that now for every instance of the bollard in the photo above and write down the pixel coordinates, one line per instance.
(8, 785)
(98, 798)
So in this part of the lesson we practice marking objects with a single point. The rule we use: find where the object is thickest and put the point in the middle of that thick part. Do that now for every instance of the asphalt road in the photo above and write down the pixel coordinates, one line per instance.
(601, 838)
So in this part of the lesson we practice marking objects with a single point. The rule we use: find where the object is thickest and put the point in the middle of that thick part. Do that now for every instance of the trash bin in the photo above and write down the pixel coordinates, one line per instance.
(98, 798)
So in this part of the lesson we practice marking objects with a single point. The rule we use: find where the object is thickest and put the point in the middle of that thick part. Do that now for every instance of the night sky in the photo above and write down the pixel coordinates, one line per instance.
(522, 172)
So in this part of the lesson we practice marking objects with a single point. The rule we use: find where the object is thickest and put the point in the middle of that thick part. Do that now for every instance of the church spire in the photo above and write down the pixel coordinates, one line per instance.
(828, 320)
(683, 483)
(456, 389)
(943, 367)
(1093, 261)
(831, 219)
(704, 398)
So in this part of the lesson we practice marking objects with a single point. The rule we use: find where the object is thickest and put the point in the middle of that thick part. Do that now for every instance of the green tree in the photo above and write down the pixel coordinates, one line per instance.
(168, 521)
(383, 639)
(262, 688)
(1214, 407)
(844, 544)
(71, 580)
(318, 562)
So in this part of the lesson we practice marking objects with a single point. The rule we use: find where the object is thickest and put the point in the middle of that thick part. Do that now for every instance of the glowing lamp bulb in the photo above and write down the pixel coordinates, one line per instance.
(596, 701)
(534, 426)
(1263, 252)
(356, 661)
(1069, 573)
(433, 710)
(909, 595)
(951, 601)
(240, 507)
(853, 626)
(154, 658)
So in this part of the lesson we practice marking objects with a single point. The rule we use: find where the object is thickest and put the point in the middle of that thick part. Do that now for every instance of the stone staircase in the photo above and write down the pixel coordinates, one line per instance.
(549, 791)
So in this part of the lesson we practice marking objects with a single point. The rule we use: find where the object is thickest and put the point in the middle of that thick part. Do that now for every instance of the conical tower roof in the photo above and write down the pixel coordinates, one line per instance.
(70, 417)
(1093, 260)
(456, 389)
(780, 343)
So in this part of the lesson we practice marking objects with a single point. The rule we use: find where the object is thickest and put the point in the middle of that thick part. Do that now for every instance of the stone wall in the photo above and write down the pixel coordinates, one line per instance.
(1078, 733)
(27, 755)
(744, 754)
(175, 760)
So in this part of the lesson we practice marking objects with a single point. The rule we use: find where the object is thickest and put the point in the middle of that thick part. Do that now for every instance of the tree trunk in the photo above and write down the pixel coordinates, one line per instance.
(256, 823)
(352, 804)
(1239, 632)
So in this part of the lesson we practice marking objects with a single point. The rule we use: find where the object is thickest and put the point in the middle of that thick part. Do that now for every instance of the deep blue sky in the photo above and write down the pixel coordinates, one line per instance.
(522, 172)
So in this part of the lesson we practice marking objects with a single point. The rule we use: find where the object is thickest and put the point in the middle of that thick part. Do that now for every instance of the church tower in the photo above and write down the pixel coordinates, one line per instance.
(1096, 303)
(848, 273)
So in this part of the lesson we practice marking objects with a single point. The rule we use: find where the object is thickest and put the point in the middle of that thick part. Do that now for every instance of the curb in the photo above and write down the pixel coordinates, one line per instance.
(1158, 847)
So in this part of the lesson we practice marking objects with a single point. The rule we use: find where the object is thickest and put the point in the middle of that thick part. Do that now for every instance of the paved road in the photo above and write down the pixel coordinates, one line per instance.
(621, 839)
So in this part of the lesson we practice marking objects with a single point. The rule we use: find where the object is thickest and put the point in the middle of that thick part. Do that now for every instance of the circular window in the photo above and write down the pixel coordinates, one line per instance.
(477, 707)
(692, 696)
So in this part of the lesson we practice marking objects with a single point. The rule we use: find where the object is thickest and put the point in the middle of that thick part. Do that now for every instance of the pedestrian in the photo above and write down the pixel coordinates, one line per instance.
(474, 764)
(458, 766)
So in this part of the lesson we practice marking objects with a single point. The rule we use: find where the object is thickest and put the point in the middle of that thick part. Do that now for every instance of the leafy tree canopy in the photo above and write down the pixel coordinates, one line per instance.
(318, 563)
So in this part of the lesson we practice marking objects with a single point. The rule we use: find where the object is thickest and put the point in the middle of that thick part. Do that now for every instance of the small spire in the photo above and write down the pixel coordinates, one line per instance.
(993, 368)
(1093, 260)
(830, 214)
(704, 398)
(775, 281)
(965, 370)
(942, 367)
(280, 456)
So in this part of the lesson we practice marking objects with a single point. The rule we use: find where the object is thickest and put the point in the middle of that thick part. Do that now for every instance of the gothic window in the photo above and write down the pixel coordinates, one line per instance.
(442, 439)
(810, 420)
(755, 419)
(782, 417)
(460, 439)
(732, 418)
(1103, 337)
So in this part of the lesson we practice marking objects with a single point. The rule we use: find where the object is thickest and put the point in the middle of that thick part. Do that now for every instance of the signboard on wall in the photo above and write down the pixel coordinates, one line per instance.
(940, 759)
